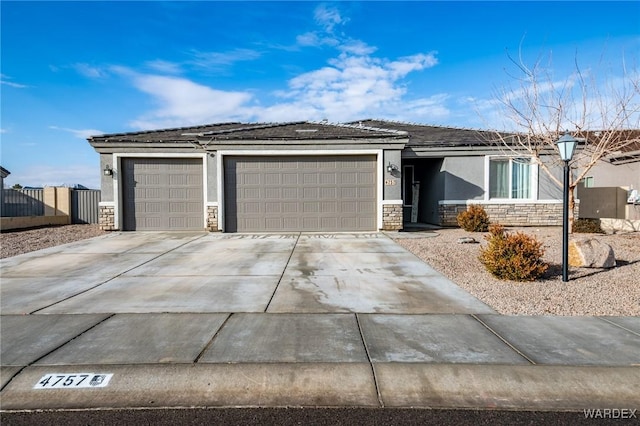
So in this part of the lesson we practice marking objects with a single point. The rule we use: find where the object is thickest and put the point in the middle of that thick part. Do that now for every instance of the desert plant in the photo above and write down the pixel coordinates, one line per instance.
(513, 256)
(474, 219)
(587, 226)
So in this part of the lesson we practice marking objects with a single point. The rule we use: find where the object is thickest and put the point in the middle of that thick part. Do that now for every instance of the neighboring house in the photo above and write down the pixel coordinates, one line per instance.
(619, 169)
(315, 176)
(3, 174)
(611, 189)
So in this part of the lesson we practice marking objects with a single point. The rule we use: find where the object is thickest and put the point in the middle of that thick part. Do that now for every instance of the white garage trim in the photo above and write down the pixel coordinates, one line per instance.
(117, 182)
(287, 153)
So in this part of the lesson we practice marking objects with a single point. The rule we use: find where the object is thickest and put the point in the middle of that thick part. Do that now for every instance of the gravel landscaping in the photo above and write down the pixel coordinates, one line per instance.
(17, 242)
(589, 292)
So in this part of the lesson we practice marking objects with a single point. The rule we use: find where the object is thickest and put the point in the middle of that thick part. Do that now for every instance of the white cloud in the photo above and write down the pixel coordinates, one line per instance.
(351, 86)
(79, 133)
(3, 130)
(89, 71)
(354, 86)
(183, 102)
(328, 17)
(218, 59)
(164, 67)
(4, 80)
(357, 47)
(314, 39)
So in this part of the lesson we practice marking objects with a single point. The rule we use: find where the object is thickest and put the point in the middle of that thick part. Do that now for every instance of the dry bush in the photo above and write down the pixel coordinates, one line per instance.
(515, 256)
(474, 219)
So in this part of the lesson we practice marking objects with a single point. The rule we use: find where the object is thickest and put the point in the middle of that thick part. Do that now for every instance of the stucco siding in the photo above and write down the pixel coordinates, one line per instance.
(625, 175)
(463, 178)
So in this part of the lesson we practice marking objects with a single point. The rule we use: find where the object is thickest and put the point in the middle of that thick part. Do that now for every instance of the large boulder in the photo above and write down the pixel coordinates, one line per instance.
(591, 253)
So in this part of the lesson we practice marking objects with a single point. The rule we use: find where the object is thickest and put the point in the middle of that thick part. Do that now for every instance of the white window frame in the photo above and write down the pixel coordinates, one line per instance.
(533, 178)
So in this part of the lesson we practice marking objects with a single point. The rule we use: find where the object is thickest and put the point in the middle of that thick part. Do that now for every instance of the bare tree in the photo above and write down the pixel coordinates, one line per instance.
(537, 109)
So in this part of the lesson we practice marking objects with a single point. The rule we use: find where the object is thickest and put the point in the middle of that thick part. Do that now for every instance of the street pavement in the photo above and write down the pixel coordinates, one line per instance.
(144, 320)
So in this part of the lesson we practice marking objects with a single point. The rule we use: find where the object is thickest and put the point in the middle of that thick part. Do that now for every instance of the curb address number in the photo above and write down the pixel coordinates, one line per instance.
(73, 381)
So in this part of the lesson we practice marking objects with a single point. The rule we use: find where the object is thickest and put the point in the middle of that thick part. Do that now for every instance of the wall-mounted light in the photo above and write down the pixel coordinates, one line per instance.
(108, 171)
(392, 168)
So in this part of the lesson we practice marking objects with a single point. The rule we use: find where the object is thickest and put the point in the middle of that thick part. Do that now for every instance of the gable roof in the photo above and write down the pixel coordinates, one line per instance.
(300, 130)
(421, 135)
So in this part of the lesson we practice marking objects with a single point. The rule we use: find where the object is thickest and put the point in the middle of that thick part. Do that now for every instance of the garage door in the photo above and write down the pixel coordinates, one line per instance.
(161, 194)
(328, 193)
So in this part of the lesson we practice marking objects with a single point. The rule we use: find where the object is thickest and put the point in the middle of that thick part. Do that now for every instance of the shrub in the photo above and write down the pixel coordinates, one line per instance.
(516, 257)
(587, 226)
(474, 219)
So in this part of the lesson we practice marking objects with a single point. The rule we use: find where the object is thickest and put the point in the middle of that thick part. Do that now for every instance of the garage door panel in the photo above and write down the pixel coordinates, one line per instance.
(305, 193)
(162, 194)
(289, 193)
(289, 179)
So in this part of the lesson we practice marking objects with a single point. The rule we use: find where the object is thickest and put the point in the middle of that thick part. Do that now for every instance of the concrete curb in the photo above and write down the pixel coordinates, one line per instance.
(532, 387)
(334, 385)
(186, 385)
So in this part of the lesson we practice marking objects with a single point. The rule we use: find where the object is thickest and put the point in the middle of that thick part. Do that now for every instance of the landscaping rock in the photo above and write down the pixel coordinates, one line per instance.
(467, 240)
(591, 253)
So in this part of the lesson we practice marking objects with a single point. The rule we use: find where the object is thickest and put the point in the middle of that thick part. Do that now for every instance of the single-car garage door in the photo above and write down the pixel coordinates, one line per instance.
(162, 194)
(301, 193)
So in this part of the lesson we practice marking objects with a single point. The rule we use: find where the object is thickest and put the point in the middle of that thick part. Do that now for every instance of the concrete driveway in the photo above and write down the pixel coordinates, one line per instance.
(223, 273)
(194, 319)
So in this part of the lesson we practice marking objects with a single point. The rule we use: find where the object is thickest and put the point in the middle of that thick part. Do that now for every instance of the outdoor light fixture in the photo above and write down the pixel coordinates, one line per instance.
(108, 171)
(566, 146)
(392, 168)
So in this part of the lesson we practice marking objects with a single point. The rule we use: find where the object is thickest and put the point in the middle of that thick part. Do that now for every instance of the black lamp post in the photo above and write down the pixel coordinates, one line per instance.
(566, 146)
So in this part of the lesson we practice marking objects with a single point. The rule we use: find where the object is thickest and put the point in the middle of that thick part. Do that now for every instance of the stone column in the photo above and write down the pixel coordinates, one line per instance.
(106, 218)
(392, 217)
(212, 218)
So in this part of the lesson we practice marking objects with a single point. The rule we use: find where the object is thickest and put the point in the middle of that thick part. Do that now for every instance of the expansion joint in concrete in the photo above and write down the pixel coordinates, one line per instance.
(17, 373)
(208, 345)
(519, 352)
(112, 278)
(618, 325)
(373, 367)
(283, 271)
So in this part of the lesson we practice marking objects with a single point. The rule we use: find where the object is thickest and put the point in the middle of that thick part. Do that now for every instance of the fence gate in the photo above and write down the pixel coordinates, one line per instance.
(84, 205)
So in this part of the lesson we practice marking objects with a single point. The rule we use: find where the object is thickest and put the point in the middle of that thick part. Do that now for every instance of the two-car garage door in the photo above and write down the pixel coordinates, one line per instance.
(300, 193)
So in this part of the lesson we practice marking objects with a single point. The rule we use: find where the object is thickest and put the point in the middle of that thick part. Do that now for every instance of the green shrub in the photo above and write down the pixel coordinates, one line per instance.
(516, 256)
(474, 219)
(587, 226)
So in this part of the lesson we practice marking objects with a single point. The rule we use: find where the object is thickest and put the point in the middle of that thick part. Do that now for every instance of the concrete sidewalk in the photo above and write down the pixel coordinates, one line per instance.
(176, 320)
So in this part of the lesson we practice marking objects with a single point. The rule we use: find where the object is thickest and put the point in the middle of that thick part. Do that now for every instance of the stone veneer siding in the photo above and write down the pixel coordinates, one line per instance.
(392, 217)
(107, 218)
(525, 214)
(212, 218)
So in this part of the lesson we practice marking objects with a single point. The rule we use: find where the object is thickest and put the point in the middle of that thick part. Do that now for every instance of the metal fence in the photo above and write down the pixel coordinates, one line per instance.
(84, 205)
(22, 202)
(30, 202)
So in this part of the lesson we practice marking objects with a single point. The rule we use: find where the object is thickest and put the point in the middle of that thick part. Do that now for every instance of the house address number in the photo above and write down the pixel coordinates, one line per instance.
(390, 182)
(73, 381)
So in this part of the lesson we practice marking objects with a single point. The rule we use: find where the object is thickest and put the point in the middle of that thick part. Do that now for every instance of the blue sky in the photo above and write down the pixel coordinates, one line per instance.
(74, 69)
